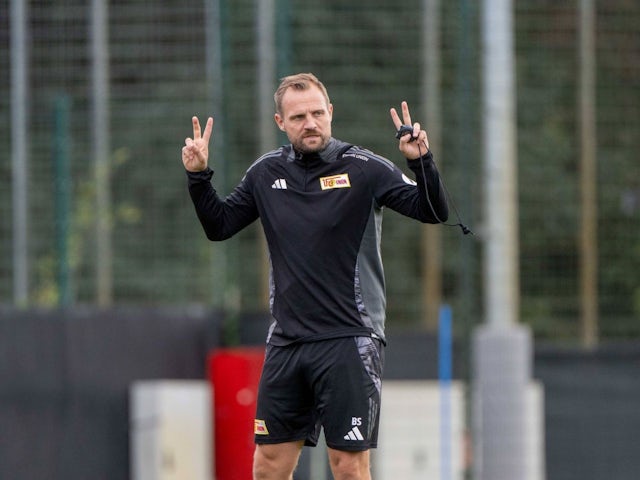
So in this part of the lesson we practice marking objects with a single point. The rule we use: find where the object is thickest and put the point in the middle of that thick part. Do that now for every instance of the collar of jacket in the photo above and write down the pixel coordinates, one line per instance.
(328, 155)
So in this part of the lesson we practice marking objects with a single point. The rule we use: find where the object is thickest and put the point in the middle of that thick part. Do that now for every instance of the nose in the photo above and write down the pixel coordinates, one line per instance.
(310, 123)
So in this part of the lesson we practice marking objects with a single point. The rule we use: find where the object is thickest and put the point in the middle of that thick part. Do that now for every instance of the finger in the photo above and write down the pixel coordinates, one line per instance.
(425, 139)
(416, 130)
(207, 130)
(405, 113)
(196, 127)
(395, 118)
(191, 147)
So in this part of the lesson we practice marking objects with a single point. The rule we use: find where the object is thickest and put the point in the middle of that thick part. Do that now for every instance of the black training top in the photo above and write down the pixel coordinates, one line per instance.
(322, 217)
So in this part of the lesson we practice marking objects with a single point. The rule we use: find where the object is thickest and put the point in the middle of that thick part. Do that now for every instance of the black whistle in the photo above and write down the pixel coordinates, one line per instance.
(403, 130)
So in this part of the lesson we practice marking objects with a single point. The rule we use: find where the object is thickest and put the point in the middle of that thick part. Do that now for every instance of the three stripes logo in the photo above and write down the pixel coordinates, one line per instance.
(280, 184)
(354, 434)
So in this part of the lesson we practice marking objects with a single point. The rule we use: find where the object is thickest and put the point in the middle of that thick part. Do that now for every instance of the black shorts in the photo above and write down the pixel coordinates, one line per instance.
(332, 384)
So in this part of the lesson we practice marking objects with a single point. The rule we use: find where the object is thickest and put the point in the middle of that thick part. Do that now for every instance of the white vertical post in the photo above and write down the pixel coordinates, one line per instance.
(215, 66)
(266, 47)
(19, 152)
(100, 137)
(500, 176)
(502, 348)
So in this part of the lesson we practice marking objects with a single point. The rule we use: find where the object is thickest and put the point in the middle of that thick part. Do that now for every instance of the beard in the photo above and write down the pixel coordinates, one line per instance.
(320, 143)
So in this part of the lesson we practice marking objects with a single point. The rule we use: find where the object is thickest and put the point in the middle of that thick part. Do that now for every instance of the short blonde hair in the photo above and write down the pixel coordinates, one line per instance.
(299, 81)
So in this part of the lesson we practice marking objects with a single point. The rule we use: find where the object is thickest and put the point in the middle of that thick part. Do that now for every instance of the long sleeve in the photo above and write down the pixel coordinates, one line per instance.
(423, 199)
(220, 218)
(435, 209)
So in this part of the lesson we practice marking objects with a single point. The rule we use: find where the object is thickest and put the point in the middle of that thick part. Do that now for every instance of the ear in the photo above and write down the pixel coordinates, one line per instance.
(279, 121)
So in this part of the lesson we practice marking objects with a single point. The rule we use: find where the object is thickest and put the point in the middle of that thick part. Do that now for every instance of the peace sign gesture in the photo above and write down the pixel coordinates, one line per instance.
(415, 145)
(195, 153)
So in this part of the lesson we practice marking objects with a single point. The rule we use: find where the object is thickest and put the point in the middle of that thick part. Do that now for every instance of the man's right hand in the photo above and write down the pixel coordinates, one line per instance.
(195, 153)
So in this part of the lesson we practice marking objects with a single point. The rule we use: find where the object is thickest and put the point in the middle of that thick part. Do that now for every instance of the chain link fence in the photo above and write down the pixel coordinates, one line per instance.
(159, 75)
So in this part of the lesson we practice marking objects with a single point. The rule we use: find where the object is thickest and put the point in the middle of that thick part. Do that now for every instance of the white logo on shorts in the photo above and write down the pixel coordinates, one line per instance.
(354, 434)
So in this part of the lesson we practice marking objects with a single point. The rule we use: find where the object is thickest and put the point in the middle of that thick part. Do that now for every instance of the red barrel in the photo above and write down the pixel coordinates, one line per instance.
(234, 374)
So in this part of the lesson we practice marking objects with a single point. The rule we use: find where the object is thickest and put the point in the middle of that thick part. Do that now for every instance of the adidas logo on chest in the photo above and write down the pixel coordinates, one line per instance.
(279, 184)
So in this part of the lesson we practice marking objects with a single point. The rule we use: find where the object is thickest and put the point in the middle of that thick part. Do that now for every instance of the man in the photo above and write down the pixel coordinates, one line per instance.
(320, 203)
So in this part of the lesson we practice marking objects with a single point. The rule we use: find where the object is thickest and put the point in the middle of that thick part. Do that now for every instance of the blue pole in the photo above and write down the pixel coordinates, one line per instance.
(444, 375)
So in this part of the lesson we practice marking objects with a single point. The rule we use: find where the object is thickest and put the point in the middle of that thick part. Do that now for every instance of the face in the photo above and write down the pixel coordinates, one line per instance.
(306, 119)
